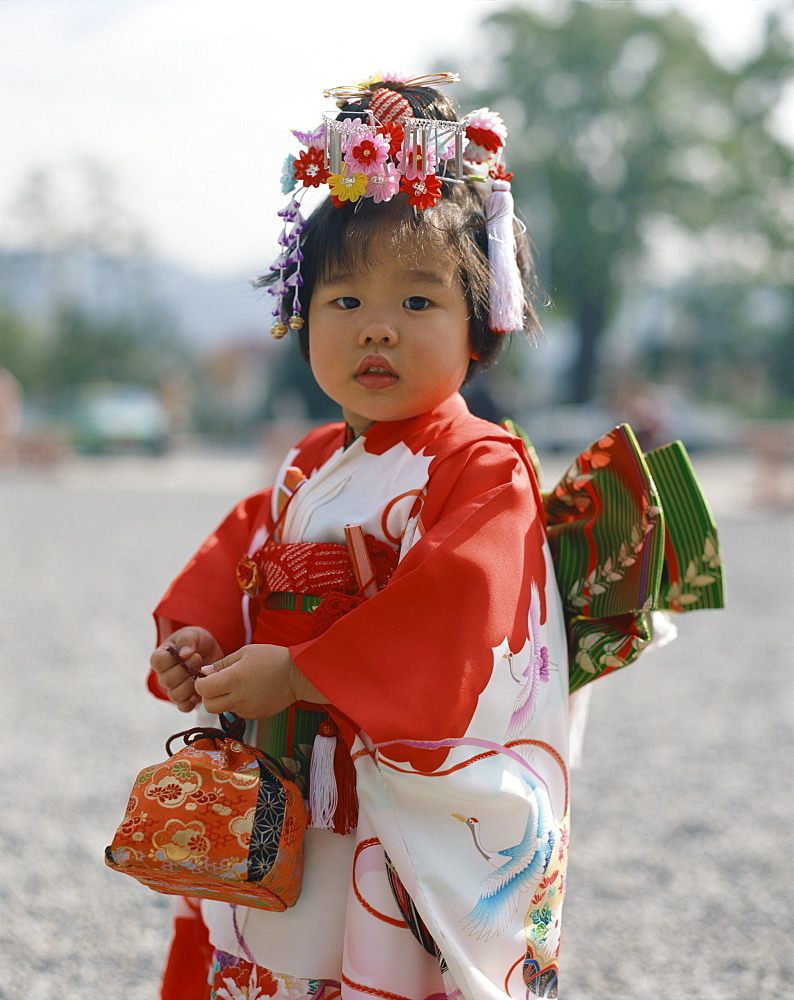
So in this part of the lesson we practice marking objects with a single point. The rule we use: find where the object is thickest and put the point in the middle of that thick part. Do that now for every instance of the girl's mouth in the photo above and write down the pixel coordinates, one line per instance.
(375, 373)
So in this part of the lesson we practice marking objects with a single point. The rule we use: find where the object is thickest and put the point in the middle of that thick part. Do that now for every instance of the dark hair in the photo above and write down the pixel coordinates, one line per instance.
(341, 238)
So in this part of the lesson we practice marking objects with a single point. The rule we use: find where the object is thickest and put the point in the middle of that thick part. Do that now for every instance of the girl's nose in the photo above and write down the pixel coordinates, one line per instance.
(377, 331)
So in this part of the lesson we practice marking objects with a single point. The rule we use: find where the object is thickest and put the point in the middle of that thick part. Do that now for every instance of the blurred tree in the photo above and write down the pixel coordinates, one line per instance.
(85, 348)
(627, 135)
(81, 346)
(19, 347)
(35, 211)
(97, 313)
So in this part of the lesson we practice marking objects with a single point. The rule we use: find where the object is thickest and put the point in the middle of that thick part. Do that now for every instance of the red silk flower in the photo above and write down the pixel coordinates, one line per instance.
(422, 191)
(394, 134)
(310, 168)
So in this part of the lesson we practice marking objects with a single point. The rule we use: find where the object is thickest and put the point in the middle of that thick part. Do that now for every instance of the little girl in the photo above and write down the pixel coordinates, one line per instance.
(396, 580)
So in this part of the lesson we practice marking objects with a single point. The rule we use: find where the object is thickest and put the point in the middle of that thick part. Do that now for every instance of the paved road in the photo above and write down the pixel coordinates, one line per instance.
(681, 872)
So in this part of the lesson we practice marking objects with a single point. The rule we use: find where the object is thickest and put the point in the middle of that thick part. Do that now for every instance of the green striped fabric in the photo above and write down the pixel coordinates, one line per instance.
(629, 533)
(295, 754)
(606, 530)
(283, 601)
(692, 577)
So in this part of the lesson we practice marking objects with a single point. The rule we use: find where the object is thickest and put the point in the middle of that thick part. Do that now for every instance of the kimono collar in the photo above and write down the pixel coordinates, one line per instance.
(384, 434)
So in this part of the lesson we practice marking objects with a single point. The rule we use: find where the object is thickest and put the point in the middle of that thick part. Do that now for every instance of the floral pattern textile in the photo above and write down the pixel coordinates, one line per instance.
(630, 534)
(233, 978)
(216, 821)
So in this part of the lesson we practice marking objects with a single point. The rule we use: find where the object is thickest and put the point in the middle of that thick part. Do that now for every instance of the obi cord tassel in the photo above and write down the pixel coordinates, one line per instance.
(333, 804)
(507, 296)
(323, 794)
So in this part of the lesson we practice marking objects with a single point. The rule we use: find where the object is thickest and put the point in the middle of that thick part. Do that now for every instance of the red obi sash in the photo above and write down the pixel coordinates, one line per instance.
(319, 580)
(297, 590)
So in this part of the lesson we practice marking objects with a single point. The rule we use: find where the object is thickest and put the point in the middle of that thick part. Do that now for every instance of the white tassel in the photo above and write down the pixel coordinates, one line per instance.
(323, 794)
(507, 292)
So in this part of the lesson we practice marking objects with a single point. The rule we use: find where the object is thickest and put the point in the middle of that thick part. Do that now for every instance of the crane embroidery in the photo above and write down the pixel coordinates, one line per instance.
(517, 870)
(535, 673)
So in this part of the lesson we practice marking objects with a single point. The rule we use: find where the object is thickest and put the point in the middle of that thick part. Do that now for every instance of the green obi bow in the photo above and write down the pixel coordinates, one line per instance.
(629, 534)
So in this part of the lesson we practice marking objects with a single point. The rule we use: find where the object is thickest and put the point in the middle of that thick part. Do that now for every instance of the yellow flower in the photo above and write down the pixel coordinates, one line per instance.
(347, 188)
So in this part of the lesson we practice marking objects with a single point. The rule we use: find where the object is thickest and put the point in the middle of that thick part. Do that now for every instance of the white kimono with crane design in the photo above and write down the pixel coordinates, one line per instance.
(450, 685)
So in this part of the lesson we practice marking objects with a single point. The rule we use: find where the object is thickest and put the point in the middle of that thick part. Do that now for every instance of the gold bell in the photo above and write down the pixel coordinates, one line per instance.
(278, 330)
(295, 322)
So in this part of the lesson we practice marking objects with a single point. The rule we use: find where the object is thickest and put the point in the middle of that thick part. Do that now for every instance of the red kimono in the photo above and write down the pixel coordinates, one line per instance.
(450, 686)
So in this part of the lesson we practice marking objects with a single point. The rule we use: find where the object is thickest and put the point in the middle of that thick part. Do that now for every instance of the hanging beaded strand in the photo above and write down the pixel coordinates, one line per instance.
(278, 287)
(295, 280)
(291, 254)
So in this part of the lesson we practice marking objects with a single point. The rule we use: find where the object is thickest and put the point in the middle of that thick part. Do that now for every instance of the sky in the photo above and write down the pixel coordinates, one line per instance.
(188, 104)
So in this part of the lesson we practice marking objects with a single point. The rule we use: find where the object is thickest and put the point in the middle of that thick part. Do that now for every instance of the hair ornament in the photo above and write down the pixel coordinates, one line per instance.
(389, 106)
(290, 256)
(381, 149)
(486, 133)
(358, 92)
(310, 138)
(506, 294)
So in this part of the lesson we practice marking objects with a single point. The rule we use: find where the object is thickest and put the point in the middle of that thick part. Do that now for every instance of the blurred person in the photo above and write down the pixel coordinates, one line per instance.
(641, 404)
(11, 398)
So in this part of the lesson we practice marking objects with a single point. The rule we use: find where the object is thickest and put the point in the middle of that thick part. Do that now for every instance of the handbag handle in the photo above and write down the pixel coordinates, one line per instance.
(194, 672)
(231, 728)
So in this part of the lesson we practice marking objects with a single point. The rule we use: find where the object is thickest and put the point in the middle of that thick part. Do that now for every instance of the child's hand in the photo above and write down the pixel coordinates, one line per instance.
(197, 647)
(256, 682)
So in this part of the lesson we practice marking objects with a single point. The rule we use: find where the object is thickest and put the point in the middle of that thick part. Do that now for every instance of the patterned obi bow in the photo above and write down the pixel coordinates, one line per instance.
(629, 534)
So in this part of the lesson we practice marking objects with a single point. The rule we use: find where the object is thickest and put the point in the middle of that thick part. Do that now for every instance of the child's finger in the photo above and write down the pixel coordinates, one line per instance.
(217, 706)
(213, 685)
(189, 704)
(192, 661)
(160, 660)
(191, 666)
(215, 693)
(182, 690)
(222, 664)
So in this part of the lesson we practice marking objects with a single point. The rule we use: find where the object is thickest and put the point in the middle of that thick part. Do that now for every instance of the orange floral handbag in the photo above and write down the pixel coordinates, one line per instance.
(219, 820)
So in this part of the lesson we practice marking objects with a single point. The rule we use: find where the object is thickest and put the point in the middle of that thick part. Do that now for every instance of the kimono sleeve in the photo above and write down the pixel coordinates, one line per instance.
(206, 592)
(412, 661)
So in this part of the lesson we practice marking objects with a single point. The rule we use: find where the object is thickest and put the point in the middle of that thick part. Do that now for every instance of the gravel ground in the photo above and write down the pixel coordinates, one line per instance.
(681, 871)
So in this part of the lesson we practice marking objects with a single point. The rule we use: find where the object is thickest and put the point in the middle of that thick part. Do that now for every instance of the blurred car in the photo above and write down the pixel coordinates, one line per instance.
(119, 417)
(568, 429)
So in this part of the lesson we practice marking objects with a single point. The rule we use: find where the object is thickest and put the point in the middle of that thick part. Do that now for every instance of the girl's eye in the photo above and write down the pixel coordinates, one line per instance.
(347, 302)
(416, 303)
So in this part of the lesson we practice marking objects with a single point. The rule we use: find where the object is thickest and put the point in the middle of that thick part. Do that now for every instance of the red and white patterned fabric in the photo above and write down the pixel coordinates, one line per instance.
(451, 687)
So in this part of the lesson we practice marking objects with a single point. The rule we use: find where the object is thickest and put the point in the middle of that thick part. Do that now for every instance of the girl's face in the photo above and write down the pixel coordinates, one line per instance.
(391, 341)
